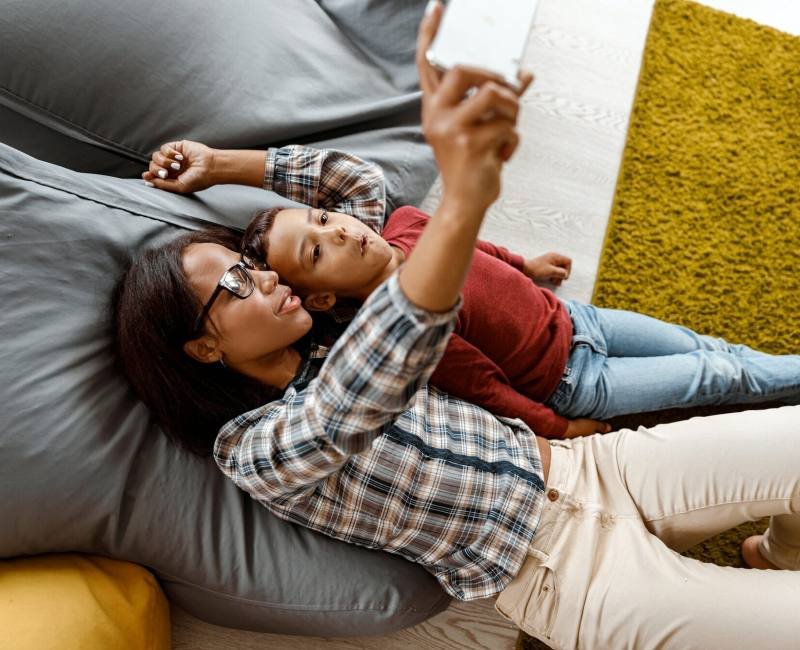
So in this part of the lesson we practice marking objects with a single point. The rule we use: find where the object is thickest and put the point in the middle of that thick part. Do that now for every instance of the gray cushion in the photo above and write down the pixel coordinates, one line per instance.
(83, 467)
(120, 78)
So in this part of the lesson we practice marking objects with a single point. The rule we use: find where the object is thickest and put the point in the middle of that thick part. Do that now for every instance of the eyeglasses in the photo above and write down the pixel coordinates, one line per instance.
(236, 280)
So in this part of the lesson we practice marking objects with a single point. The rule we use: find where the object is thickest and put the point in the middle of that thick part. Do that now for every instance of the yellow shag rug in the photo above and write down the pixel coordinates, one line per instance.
(705, 227)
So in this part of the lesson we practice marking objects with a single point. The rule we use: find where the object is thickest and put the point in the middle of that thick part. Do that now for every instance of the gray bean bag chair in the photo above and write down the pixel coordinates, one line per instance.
(84, 468)
(95, 86)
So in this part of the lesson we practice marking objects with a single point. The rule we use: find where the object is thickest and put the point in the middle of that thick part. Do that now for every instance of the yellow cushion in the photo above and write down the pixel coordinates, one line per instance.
(61, 602)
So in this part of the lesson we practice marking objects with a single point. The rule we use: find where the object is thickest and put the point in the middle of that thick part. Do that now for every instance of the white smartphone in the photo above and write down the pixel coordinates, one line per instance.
(482, 34)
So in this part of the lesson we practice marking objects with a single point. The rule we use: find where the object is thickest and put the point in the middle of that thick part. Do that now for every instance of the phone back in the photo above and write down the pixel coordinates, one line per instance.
(481, 34)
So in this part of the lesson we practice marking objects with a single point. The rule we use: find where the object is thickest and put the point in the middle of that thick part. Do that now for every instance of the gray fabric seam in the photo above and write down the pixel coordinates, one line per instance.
(260, 603)
(106, 202)
(89, 134)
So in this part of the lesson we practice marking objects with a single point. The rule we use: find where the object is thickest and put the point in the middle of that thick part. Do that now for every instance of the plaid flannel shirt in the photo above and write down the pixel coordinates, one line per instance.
(368, 453)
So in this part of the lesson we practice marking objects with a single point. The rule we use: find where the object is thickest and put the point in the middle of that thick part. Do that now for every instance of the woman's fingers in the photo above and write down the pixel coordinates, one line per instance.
(164, 166)
(459, 80)
(428, 76)
(508, 148)
(158, 169)
(167, 162)
(172, 155)
(169, 184)
(496, 135)
(173, 150)
(525, 80)
(490, 100)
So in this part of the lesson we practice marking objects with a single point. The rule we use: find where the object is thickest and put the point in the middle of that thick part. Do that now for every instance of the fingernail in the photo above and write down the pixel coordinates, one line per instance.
(149, 184)
(178, 156)
(175, 166)
(162, 173)
(430, 7)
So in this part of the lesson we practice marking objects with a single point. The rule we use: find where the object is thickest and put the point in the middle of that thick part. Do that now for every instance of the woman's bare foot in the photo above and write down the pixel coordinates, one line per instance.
(752, 555)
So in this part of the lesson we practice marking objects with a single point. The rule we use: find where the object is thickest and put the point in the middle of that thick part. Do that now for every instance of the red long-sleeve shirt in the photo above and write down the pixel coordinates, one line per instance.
(512, 338)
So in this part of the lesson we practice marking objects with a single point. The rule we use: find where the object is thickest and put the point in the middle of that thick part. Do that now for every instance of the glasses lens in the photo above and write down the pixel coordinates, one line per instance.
(237, 281)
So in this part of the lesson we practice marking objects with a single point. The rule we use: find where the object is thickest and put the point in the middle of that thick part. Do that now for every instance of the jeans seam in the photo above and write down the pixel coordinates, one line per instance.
(721, 503)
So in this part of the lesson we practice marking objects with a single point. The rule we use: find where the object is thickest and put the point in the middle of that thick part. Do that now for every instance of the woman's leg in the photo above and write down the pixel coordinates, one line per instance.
(693, 479)
(639, 364)
(600, 572)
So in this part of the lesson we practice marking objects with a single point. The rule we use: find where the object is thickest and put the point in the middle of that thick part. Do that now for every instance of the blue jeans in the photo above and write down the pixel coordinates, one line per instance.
(622, 362)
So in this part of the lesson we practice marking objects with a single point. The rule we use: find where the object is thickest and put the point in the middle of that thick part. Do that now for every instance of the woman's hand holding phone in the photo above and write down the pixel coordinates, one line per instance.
(470, 148)
(473, 133)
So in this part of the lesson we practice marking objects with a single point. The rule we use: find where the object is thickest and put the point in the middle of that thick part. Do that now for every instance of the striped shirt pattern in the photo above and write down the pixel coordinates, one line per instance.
(368, 453)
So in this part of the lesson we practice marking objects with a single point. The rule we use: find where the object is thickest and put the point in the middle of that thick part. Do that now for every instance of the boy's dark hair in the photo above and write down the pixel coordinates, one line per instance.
(154, 311)
(254, 242)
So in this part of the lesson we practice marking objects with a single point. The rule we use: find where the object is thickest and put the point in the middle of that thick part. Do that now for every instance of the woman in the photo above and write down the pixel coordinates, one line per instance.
(574, 538)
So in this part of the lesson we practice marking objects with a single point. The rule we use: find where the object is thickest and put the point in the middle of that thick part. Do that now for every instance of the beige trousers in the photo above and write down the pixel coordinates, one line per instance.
(603, 572)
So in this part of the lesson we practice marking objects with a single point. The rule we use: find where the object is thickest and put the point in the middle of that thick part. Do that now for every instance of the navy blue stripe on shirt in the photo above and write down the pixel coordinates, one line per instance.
(502, 467)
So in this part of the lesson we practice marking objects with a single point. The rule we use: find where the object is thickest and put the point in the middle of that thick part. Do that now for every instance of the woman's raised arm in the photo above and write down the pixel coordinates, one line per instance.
(471, 139)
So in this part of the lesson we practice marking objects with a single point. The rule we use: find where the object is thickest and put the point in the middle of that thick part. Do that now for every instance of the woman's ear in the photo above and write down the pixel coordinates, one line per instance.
(320, 301)
(203, 349)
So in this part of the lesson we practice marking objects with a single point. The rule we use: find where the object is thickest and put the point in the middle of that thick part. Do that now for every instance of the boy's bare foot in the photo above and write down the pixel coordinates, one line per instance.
(752, 555)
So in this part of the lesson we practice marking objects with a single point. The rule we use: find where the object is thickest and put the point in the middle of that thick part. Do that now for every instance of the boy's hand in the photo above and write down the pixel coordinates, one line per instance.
(550, 267)
(585, 427)
(181, 167)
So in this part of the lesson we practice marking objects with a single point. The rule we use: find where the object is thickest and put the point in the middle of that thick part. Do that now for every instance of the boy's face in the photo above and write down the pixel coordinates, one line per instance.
(314, 250)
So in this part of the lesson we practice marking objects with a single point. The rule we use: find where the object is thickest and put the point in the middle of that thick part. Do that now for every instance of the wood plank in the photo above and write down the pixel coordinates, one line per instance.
(558, 188)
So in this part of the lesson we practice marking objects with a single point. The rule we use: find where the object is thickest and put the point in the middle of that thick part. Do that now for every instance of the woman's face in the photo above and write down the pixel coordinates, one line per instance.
(269, 320)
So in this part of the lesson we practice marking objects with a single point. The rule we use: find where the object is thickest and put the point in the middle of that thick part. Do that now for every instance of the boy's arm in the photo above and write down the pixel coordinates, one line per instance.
(467, 373)
(550, 267)
(503, 254)
(326, 178)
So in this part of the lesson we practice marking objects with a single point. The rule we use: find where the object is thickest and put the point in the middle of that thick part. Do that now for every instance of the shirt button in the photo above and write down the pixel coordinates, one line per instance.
(552, 495)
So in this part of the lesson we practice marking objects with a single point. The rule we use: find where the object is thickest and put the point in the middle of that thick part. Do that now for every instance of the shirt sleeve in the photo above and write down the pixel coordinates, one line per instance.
(370, 376)
(330, 179)
(517, 261)
(467, 373)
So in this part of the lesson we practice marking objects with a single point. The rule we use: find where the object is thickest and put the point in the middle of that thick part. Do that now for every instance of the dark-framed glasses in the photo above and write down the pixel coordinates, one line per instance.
(236, 281)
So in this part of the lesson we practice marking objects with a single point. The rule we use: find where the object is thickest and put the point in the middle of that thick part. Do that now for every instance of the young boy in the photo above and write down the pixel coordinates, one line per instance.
(515, 349)
(511, 341)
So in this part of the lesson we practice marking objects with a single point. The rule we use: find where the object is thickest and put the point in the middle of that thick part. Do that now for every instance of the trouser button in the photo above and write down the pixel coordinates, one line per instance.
(552, 495)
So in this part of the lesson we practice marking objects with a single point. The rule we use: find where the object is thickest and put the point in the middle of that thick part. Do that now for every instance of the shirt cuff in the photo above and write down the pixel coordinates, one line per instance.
(421, 318)
(559, 427)
(517, 261)
(269, 168)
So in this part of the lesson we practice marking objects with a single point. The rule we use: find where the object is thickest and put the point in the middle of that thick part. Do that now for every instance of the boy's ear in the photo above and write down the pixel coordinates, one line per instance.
(319, 301)
(203, 349)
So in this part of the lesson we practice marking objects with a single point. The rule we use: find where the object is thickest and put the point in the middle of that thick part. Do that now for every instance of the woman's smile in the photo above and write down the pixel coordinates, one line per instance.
(288, 302)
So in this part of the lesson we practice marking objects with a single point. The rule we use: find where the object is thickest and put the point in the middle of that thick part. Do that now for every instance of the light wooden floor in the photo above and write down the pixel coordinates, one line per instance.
(557, 194)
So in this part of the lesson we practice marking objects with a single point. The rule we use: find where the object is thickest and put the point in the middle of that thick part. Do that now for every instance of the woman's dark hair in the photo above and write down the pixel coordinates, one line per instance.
(254, 244)
(154, 314)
